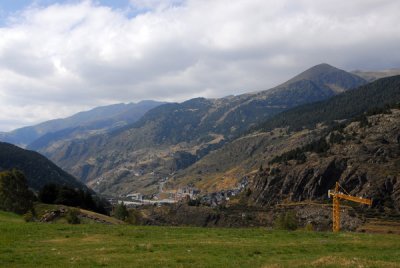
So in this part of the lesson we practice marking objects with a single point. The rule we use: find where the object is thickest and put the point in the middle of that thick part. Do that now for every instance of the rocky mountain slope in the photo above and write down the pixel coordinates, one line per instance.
(173, 136)
(81, 124)
(295, 172)
(38, 170)
(363, 156)
(224, 168)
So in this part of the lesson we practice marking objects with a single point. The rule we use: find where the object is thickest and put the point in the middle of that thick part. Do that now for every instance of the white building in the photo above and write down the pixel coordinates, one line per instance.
(135, 196)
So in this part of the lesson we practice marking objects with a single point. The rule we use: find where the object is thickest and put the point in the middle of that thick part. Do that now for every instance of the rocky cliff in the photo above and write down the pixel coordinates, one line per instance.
(364, 157)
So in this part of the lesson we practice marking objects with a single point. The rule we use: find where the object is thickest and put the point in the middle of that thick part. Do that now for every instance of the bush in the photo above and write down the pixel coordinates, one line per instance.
(194, 202)
(72, 216)
(134, 217)
(121, 212)
(29, 216)
(287, 221)
(309, 227)
(248, 192)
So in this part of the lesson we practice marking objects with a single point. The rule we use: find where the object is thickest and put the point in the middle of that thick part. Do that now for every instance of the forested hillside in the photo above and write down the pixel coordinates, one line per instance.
(38, 170)
(347, 105)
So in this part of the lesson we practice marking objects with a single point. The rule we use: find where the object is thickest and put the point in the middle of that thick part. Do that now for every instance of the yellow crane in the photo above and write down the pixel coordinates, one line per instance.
(337, 195)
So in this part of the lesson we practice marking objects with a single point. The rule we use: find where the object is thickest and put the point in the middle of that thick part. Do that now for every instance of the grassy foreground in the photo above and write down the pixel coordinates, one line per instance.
(96, 245)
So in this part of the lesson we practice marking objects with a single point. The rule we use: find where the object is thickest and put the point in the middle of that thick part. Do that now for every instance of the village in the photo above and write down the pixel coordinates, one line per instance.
(165, 197)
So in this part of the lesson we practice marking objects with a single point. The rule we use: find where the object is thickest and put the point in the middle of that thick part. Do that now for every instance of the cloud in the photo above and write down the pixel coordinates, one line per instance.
(155, 4)
(59, 59)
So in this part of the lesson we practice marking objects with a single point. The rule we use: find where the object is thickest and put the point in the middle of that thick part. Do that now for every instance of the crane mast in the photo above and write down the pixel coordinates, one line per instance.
(337, 195)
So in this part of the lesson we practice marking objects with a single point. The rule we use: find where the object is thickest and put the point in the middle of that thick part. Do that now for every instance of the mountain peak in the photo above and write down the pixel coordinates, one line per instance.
(326, 77)
(315, 72)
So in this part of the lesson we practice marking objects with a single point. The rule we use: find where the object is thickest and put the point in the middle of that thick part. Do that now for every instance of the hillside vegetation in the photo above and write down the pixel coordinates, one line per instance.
(38, 170)
(97, 245)
(344, 106)
(173, 136)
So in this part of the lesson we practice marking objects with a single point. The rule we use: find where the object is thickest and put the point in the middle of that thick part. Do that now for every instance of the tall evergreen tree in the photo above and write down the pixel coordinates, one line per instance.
(14, 193)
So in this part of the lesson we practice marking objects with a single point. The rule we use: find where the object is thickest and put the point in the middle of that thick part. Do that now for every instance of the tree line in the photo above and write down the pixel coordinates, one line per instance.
(15, 195)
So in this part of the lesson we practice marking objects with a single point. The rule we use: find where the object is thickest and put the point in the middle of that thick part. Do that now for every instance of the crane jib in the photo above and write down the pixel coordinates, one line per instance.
(335, 209)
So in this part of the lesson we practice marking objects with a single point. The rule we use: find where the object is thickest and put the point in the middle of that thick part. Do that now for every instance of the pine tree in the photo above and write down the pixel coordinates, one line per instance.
(15, 195)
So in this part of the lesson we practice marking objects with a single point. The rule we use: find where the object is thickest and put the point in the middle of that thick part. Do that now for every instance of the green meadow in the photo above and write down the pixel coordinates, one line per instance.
(96, 245)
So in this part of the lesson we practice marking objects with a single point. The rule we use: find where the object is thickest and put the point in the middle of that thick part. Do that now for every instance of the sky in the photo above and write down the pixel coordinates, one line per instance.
(61, 57)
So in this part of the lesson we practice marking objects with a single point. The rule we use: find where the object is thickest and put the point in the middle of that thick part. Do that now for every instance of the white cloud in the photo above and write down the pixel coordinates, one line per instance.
(155, 4)
(62, 58)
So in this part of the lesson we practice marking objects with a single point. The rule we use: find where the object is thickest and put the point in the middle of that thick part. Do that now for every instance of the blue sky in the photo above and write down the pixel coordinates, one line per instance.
(15, 5)
(56, 60)
(9, 7)
(130, 8)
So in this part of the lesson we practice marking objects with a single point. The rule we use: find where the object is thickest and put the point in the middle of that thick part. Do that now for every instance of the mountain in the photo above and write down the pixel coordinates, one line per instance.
(375, 75)
(173, 136)
(38, 170)
(96, 120)
(226, 167)
(347, 105)
(328, 79)
(363, 156)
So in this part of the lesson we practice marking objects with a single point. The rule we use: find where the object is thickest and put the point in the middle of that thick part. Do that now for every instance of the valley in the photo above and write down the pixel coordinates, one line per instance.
(289, 144)
(172, 137)
(213, 159)
(190, 133)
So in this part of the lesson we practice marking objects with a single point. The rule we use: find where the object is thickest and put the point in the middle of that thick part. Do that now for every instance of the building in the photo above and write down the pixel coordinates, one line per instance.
(135, 196)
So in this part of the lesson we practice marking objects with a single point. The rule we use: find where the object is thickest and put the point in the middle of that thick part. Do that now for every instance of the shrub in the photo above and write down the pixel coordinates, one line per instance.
(336, 138)
(286, 221)
(309, 227)
(72, 216)
(29, 216)
(248, 192)
(133, 217)
(121, 212)
(194, 202)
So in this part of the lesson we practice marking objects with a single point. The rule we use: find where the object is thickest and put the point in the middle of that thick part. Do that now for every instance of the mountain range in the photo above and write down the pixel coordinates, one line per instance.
(97, 120)
(211, 144)
(225, 167)
(173, 136)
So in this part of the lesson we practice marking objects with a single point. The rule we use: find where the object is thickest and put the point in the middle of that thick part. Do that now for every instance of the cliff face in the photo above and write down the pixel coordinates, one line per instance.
(365, 160)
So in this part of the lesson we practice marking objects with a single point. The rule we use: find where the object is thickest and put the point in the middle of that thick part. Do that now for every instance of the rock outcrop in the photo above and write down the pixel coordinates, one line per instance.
(365, 161)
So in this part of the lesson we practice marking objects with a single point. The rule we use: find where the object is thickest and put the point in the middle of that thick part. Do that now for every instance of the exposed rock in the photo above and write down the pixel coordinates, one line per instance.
(367, 167)
(50, 216)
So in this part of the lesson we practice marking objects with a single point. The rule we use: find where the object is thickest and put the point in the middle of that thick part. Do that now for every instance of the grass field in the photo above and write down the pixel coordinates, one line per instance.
(96, 245)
